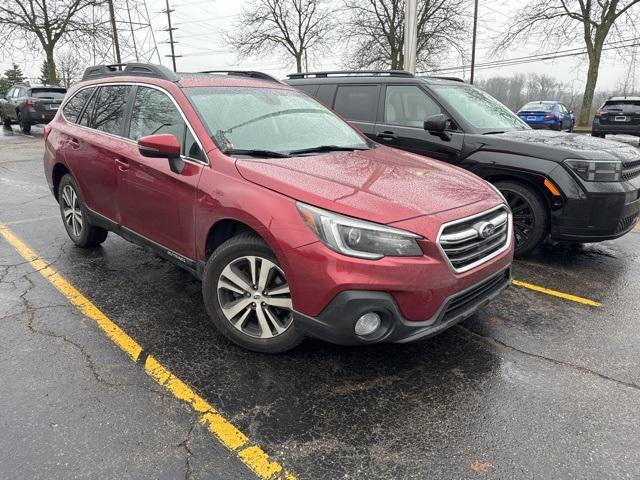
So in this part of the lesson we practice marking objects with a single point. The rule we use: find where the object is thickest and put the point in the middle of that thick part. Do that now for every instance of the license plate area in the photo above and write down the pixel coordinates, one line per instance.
(532, 117)
(620, 118)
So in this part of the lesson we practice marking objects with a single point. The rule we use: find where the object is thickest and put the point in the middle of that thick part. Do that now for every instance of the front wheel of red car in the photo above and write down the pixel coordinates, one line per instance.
(247, 296)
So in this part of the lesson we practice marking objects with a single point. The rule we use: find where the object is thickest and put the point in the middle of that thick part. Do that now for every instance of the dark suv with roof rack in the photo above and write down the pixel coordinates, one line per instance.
(297, 224)
(29, 105)
(618, 115)
(572, 187)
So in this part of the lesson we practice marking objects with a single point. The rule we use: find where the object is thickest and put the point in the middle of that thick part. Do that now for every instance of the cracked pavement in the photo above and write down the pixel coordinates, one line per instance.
(531, 387)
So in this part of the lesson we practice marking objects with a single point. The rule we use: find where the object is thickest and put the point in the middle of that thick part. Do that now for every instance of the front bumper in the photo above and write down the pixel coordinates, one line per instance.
(594, 211)
(336, 322)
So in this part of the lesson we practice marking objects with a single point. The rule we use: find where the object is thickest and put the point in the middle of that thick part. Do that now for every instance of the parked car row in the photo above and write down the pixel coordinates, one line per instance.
(299, 224)
(29, 105)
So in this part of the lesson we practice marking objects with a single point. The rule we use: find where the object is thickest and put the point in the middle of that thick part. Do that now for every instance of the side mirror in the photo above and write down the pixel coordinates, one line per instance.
(436, 125)
(162, 145)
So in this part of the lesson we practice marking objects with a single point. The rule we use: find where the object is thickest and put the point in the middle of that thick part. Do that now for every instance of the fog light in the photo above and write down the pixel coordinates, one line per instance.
(367, 324)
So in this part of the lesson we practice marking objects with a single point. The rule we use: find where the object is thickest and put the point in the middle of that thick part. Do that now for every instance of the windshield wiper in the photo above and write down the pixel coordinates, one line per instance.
(326, 148)
(255, 153)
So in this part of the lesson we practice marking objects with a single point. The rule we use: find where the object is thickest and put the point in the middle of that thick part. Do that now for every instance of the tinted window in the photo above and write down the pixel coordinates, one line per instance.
(310, 89)
(55, 93)
(154, 112)
(620, 104)
(408, 106)
(9, 94)
(85, 120)
(108, 112)
(357, 102)
(73, 108)
(325, 94)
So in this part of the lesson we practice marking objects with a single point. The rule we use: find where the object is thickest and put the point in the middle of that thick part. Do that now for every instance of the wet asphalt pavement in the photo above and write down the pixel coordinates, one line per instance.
(533, 386)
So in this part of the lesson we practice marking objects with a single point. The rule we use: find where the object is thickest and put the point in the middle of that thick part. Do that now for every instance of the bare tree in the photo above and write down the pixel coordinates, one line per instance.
(594, 22)
(374, 32)
(296, 28)
(46, 22)
(70, 67)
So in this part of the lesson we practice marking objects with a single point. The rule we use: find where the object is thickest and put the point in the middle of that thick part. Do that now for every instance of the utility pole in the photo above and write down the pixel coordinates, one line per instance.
(410, 35)
(114, 29)
(171, 41)
(473, 43)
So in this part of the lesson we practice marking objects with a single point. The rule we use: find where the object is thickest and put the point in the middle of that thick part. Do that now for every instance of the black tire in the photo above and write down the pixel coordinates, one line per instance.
(25, 123)
(598, 135)
(87, 235)
(530, 215)
(230, 252)
(6, 121)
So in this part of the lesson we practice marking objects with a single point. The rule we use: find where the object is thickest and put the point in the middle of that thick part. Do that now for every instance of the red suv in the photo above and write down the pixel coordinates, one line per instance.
(297, 224)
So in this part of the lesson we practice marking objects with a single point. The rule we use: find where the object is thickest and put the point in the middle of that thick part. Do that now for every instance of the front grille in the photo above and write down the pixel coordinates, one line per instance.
(469, 299)
(471, 241)
(630, 169)
(626, 223)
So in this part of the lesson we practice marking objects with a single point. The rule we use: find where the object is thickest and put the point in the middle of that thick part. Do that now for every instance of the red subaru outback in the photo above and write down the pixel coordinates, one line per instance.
(297, 224)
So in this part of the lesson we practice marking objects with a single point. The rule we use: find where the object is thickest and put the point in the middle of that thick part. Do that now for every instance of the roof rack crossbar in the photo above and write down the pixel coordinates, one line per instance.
(245, 73)
(345, 73)
(119, 69)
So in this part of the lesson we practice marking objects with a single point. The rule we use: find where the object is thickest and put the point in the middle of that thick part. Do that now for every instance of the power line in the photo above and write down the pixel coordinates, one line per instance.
(541, 56)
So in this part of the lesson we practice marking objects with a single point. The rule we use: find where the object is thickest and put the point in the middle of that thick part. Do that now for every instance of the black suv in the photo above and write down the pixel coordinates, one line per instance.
(617, 115)
(573, 187)
(27, 105)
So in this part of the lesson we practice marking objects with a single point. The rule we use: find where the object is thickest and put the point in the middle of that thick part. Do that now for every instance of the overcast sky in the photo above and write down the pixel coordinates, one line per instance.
(201, 23)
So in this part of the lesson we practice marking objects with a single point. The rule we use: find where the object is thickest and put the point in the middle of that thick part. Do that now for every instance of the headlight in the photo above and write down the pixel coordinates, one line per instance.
(596, 170)
(358, 238)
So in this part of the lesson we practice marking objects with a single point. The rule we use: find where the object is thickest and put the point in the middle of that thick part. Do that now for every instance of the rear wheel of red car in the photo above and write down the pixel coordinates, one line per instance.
(530, 217)
(75, 216)
(247, 296)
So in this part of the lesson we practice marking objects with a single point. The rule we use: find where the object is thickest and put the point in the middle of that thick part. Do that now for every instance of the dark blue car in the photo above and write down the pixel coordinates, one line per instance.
(547, 114)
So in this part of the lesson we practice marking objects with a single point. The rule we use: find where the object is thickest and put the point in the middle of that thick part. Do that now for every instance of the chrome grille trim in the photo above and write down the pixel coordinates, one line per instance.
(458, 237)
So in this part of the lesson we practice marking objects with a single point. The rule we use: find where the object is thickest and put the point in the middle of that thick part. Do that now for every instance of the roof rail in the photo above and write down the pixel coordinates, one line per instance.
(346, 73)
(245, 73)
(138, 69)
(440, 77)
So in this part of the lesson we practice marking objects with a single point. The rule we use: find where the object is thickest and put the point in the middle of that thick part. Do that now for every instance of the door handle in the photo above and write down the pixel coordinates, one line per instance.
(387, 136)
(123, 165)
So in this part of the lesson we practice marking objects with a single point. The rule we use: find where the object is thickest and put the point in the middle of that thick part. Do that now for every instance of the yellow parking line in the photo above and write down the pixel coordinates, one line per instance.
(250, 454)
(555, 293)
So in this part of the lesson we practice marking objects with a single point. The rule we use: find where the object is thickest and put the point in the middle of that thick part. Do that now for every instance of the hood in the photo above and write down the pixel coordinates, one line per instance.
(382, 184)
(558, 146)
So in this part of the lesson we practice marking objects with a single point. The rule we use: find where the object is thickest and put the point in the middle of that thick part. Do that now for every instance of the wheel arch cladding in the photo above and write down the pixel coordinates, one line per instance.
(223, 230)
(538, 189)
(59, 171)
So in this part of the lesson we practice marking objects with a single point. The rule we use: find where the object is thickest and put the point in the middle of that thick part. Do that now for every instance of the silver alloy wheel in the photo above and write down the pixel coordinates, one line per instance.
(254, 296)
(71, 211)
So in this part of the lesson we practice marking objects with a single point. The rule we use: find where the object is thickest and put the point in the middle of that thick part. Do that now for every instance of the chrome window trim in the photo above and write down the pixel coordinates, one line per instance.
(138, 84)
(506, 246)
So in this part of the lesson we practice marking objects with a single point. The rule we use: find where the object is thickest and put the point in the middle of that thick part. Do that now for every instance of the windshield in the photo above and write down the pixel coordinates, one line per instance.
(479, 109)
(56, 93)
(270, 119)
(537, 107)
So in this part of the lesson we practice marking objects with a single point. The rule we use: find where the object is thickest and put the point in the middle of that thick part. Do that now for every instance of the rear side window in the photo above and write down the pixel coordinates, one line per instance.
(357, 102)
(408, 106)
(621, 104)
(73, 108)
(154, 112)
(109, 110)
